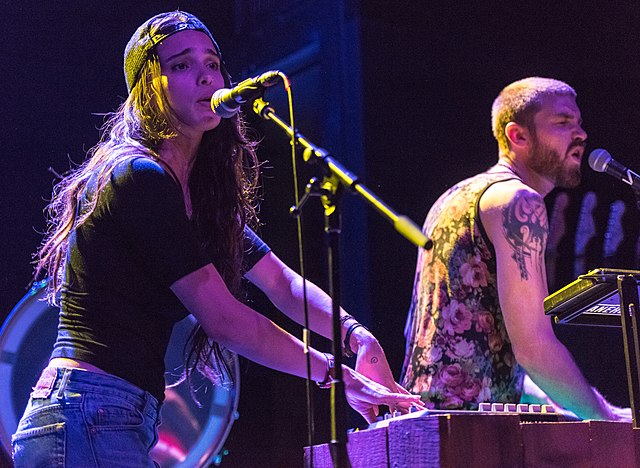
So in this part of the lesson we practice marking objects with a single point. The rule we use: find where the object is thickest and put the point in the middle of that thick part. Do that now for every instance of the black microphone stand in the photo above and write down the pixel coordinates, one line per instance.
(636, 193)
(336, 177)
(629, 300)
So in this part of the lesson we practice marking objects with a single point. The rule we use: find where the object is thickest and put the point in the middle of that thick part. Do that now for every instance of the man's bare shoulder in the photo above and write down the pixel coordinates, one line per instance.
(515, 219)
(502, 194)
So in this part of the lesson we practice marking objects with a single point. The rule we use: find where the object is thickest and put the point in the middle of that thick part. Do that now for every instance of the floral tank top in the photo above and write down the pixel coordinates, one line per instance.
(458, 352)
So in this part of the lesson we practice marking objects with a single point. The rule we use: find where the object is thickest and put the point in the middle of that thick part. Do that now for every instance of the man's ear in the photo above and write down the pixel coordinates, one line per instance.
(517, 135)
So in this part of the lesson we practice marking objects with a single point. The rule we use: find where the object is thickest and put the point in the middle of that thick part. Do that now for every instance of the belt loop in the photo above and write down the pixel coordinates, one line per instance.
(152, 407)
(63, 384)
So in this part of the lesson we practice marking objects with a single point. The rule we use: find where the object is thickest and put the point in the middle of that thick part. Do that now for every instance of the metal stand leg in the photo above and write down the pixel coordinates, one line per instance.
(628, 291)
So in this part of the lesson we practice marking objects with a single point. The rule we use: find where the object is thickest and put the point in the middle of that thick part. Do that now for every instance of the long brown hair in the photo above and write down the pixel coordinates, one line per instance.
(223, 186)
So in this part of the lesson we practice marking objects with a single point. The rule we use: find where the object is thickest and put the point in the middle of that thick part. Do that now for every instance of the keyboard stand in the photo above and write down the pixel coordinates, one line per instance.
(581, 303)
(628, 292)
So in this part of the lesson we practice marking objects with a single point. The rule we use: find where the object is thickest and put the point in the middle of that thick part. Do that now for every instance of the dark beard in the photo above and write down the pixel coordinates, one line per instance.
(549, 163)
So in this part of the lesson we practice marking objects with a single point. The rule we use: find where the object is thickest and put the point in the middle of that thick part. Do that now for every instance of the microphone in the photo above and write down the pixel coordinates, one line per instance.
(601, 161)
(226, 102)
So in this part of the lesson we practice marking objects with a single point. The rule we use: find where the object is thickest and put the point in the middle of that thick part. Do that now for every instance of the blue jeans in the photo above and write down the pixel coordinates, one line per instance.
(76, 418)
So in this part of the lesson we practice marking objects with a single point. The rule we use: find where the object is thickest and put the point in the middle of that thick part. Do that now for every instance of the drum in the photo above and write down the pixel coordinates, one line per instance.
(192, 432)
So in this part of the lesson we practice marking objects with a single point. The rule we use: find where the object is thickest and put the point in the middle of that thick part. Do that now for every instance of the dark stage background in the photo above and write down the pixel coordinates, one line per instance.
(400, 92)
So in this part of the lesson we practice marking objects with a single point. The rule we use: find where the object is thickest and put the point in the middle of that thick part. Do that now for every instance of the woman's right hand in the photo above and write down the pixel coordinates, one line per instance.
(365, 395)
(619, 414)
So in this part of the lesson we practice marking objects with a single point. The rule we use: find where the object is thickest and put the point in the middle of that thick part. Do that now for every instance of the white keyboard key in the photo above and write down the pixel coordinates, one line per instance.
(548, 409)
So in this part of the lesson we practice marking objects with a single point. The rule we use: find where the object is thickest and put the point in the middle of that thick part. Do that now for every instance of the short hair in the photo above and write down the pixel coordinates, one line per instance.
(519, 102)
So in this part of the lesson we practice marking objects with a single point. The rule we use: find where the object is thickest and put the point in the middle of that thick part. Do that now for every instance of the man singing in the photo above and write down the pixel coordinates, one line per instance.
(476, 322)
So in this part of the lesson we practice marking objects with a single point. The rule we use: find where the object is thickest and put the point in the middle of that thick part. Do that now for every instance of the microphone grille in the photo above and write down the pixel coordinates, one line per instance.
(219, 107)
(598, 159)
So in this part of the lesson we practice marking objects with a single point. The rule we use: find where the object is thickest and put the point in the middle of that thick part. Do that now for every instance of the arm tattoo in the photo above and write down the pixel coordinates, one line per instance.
(525, 226)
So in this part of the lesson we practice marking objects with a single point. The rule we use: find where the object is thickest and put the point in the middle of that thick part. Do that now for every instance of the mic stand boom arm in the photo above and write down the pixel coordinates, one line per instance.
(313, 154)
(337, 177)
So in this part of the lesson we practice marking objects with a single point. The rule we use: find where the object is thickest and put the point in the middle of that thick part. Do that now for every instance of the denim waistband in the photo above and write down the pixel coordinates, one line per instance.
(82, 381)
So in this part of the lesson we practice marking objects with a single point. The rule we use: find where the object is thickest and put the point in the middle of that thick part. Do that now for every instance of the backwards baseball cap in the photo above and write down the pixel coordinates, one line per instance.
(151, 33)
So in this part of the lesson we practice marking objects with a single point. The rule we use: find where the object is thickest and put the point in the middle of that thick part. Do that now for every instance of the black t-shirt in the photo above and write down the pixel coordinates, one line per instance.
(117, 310)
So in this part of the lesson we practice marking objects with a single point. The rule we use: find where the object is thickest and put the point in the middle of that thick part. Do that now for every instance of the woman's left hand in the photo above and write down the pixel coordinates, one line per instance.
(372, 362)
(365, 396)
